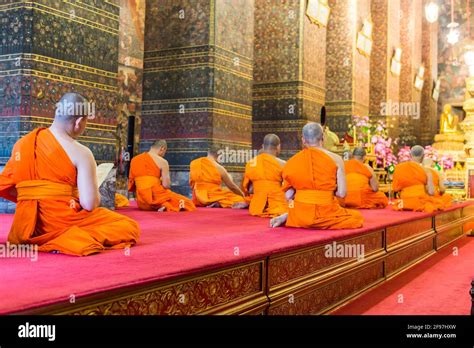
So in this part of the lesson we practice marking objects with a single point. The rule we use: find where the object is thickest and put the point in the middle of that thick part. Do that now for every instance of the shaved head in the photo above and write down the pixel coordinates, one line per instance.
(71, 106)
(159, 144)
(271, 142)
(312, 133)
(359, 153)
(213, 150)
(417, 151)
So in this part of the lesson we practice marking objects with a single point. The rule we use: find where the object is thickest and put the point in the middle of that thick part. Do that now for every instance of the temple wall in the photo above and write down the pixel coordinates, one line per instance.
(54, 47)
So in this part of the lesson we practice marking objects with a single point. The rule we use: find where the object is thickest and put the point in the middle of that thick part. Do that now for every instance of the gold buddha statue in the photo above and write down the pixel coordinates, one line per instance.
(448, 121)
(331, 140)
(450, 139)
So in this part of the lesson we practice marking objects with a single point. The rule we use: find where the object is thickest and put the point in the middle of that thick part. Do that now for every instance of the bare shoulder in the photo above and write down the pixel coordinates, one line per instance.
(338, 159)
(162, 161)
(79, 154)
(219, 166)
(279, 160)
(82, 149)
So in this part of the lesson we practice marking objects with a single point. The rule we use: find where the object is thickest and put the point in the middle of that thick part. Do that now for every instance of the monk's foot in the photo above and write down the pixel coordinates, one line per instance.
(240, 205)
(213, 205)
(161, 209)
(278, 221)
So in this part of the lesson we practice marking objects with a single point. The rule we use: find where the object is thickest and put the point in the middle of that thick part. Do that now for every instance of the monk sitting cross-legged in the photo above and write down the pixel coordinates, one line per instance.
(416, 184)
(205, 178)
(54, 182)
(263, 178)
(316, 176)
(362, 184)
(150, 179)
(438, 184)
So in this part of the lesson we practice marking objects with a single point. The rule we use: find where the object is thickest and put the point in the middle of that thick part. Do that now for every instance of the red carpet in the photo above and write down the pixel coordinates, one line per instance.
(172, 244)
(437, 286)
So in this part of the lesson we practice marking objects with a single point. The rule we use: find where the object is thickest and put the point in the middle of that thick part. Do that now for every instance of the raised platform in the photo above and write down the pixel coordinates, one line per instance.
(218, 261)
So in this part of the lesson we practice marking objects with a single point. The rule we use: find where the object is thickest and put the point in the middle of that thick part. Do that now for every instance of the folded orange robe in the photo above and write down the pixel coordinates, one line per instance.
(359, 192)
(265, 174)
(410, 178)
(205, 181)
(446, 198)
(121, 201)
(312, 173)
(144, 179)
(48, 212)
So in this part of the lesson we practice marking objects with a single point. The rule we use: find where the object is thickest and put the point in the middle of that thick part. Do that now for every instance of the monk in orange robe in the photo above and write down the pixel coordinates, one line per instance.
(205, 178)
(150, 179)
(362, 184)
(314, 177)
(415, 184)
(263, 178)
(53, 180)
(439, 188)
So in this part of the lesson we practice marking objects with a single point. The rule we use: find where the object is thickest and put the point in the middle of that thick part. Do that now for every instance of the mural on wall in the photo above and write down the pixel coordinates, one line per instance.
(451, 67)
(129, 80)
(50, 47)
(45, 54)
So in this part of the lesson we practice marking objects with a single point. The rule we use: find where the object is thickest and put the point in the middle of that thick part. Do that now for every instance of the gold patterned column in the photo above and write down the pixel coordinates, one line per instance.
(384, 80)
(467, 126)
(289, 71)
(410, 42)
(197, 80)
(428, 119)
(347, 63)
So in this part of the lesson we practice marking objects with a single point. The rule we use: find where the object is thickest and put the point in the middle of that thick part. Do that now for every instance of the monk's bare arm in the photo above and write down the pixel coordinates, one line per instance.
(226, 178)
(429, 182)
(442, 188)
(341, 177)
(341, 190)
(374, 182)
(165, 173)
(89, 196)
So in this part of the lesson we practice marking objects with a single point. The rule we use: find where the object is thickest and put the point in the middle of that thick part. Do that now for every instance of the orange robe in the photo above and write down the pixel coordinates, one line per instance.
(446, 198)
(312, 173)
(410, 178)
(265, 174)
(359, 192)
(48, 212)
(121, 201)
(144, 179)
(205, 181)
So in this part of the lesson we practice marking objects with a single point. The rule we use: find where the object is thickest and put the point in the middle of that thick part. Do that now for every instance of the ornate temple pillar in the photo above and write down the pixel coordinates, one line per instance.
(428, 119)
(410, 42)
(348, 68)
(53, 47)
(289, 72)
(130, 84)
(384, 83)
(197, 80)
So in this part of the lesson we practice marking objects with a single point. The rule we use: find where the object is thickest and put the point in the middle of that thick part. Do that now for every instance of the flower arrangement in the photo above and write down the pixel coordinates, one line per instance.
(373, 135)
(404, 154)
